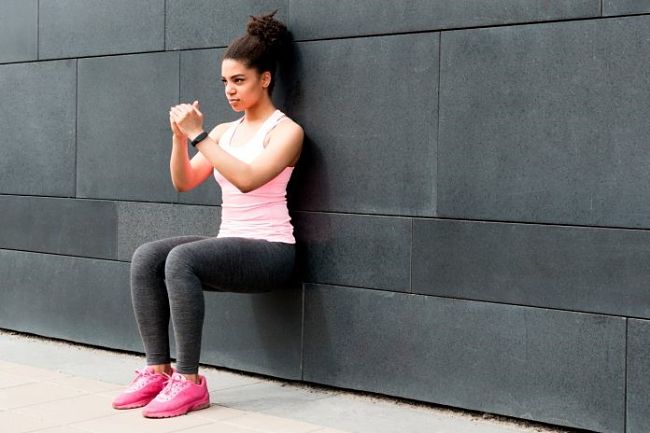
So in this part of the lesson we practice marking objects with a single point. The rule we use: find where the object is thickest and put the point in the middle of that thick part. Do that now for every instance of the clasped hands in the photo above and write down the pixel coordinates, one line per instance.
(186, 120)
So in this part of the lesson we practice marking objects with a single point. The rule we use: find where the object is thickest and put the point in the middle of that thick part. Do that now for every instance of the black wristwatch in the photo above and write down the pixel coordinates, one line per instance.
(199, 138)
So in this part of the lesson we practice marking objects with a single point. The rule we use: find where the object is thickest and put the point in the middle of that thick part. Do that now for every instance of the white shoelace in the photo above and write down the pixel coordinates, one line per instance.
(176, 384)
(142, 379)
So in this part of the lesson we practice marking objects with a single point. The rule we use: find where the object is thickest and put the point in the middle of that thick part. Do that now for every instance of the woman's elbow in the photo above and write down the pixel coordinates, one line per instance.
(245, 185)
(180, 187)
(245, 188)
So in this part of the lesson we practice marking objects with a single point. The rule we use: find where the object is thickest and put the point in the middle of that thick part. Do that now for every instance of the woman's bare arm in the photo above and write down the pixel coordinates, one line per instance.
(282, 150)
(187, 174)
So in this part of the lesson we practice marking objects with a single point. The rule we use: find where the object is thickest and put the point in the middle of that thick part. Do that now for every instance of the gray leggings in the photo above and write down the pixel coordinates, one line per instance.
(169, 275)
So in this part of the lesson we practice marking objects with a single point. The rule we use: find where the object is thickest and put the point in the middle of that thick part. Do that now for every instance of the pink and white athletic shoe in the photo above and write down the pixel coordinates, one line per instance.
(143, 388)
(179, 397)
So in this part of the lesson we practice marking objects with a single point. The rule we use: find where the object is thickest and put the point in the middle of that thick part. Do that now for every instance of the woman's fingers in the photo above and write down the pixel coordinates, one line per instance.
(185, 115)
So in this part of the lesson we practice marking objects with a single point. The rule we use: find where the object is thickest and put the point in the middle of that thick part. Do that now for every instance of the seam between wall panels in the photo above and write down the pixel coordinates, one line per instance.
(38, 30)
(72, 256)
(482, 301)
(435, 182)
(325, 212)
(475, 27)
(460, 219)
(412, 246)
(76, 126)
(165, 26)
(627, 344)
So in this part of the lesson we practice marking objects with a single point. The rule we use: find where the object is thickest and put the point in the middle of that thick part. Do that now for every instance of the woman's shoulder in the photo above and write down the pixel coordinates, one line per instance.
(287, 125)
(218, 130)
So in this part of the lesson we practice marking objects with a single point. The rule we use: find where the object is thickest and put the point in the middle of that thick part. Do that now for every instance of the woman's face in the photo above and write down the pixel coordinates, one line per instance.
(244, 87)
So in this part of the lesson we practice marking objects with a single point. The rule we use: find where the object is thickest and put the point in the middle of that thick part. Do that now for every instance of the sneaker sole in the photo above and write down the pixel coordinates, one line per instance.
(182, 411)
(135, 405)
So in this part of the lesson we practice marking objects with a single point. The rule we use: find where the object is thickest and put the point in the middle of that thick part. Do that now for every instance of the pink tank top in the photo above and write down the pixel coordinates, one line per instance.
(261, 213)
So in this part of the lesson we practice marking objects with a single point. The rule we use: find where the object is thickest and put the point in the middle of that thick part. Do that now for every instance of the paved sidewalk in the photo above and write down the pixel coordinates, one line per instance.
(48, 386)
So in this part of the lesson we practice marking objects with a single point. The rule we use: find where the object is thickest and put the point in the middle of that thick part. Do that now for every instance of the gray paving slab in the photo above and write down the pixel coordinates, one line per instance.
(251, 396)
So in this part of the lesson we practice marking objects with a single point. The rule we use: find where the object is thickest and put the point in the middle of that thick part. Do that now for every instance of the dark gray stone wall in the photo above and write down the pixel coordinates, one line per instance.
(471, 206)
(482, 356)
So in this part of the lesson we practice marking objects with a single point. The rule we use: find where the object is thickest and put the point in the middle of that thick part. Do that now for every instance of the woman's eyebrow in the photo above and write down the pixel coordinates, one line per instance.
(234, 76)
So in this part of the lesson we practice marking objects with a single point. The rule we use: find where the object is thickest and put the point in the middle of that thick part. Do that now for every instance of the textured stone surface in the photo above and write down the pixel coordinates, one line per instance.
(620, 7)
(219, 22)
(354, 250)
(75, 299)
(124, 139)
(546, 123)
(76, 28)
(143, 222)
(18, 30)
(56, 225)
(313, 19)
(254, 332)
(560, 367)
(370, 142)
(569, 268)
(37, 120)
(638, 376)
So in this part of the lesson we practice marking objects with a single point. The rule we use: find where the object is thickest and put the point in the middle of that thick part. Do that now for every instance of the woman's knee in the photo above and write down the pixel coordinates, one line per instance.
(179, 262)
(144, 254)
(147, 260)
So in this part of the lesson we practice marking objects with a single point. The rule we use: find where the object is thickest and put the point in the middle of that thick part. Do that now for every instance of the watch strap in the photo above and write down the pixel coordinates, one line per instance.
(199, 138)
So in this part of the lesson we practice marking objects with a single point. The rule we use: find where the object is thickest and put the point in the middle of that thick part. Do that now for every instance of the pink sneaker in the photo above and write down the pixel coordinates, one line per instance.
(179, 397)
(143, 388)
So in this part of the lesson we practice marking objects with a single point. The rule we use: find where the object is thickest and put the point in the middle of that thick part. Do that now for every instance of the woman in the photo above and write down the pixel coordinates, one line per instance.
(252, 160)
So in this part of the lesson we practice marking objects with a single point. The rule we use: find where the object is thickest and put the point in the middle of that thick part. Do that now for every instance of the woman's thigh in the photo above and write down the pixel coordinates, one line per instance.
(234, 264)
(151, 256)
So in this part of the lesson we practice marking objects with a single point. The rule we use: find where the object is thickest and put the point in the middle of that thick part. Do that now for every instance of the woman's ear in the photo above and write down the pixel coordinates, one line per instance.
(266, 79)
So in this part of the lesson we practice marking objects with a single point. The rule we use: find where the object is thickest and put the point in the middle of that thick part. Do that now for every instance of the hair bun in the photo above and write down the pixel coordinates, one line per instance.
(267, 29)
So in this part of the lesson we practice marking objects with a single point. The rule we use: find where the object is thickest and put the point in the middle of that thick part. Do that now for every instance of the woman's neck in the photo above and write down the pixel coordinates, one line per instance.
(259, 112)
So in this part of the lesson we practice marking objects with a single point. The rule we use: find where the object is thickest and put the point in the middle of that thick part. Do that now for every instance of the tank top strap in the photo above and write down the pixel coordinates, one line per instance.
(269, 124)
(227, 135)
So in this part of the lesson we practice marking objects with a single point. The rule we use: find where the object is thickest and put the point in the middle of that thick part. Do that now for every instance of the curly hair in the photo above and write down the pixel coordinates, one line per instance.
(263, 45)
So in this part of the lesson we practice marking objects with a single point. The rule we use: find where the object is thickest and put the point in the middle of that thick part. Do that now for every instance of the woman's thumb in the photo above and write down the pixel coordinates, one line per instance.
(195, 104)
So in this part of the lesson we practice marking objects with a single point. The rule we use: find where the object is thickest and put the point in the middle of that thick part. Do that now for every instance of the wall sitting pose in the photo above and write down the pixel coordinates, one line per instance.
(252, 159)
